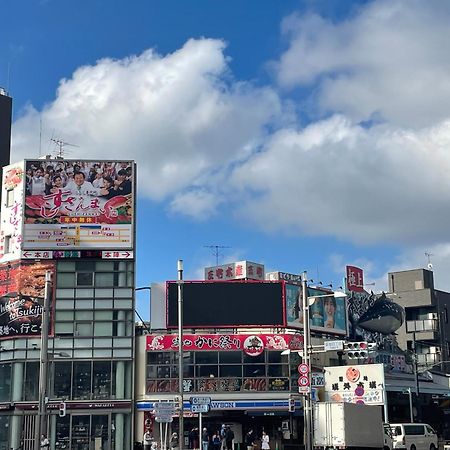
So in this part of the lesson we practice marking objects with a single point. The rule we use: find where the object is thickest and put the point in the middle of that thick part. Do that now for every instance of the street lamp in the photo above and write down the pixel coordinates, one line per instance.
(149, 289)
(307, 350)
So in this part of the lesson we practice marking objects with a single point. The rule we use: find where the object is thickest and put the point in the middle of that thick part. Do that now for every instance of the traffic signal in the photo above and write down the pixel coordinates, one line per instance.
(372, 346)
(291, 406)
(357, 350)
(62, 409)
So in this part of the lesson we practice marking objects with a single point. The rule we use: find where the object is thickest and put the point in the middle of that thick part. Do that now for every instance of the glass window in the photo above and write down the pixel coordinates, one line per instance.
(7, 245)
(84, 293)
(101, 379)
(276, 357)
(103, 315)
(254, 359)
(5, 382)
(82, 380)
(9, 197)
(63, 315)
(85, 266)
(230, 357)
(104, 293)
(84, 315)
(66, 266)
(84, 329)
(230, 371)
(104, 279)
(64, 304)
(104, 266)
(85, 279)
(4, 432)
(206, 357)
(208, 371)
(62, 379)
(62, 432)
(31, 386)
(65, 280)
(188, 371)
(276, 370)
(103, 328)
(254, 370)
(64, 327)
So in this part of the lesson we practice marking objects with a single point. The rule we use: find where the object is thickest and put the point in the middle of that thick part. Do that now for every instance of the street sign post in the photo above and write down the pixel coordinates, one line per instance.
(329, 346)
(200, 400)
(199, 408)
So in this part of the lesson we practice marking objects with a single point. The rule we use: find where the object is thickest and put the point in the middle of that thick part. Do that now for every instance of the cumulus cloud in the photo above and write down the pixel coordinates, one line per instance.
(387, 61)
(333, 177)
(181, 116)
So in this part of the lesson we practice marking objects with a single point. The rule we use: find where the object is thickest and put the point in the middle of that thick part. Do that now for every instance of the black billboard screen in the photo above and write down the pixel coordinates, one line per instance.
(226, 304)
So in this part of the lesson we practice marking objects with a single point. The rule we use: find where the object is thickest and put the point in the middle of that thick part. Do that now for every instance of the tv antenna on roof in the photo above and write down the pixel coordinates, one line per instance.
(60, 144)
(215, 249)
(429, 265)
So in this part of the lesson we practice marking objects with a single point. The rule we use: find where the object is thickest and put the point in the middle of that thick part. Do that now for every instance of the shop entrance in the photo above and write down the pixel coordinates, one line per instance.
(84, 432)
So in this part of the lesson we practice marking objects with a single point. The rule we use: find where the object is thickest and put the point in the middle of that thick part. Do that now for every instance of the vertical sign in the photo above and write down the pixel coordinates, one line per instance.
(355, 280)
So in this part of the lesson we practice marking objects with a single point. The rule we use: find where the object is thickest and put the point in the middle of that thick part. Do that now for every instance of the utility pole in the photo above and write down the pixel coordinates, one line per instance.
(41, 422)
(180, 353)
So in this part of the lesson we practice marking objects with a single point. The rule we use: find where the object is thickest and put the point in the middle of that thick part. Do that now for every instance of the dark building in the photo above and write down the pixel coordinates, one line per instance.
(5, 127)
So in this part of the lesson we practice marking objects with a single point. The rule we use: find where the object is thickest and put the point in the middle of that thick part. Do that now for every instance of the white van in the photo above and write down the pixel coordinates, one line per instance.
(414, 436)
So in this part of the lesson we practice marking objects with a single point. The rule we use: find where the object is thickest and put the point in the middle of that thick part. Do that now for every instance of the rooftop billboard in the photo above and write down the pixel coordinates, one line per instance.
(225, 304)
(79, 205)
(327, 313)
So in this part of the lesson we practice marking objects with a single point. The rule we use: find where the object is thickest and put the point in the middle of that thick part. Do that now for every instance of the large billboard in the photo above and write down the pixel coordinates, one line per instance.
(79, 205)
(327, 313)
(21, 296)
(220, 304)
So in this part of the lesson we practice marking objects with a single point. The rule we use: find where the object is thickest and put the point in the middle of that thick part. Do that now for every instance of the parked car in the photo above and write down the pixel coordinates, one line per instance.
(414, 436)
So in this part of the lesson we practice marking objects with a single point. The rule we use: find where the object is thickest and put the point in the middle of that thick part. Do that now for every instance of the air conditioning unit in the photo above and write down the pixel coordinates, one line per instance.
(435, 350)
(433, 316)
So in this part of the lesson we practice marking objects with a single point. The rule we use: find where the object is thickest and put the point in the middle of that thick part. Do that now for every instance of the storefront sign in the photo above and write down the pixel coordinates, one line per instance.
(251, 344)
(235, 271)
(363, 383)
(355, 279)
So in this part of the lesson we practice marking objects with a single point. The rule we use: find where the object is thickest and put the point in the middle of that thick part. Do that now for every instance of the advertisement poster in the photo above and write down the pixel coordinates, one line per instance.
(359, 383)
(78, 204)
(327, 313)
(21, 295)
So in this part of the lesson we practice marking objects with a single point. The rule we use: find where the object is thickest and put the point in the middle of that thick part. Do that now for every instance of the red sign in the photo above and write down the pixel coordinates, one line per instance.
(355, 280)
(249, 343)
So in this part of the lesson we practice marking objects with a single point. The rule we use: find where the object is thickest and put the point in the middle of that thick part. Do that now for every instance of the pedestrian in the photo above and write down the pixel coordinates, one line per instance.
(216, 440)
(223, 431)
(45, 443)
(250, 439)
(173, 442)
(147, 440)
(229, 436)
(205, 439)
(265, 441)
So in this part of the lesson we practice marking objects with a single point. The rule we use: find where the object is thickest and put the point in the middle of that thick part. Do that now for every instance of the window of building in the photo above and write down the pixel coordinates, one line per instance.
(62, 374)
(82, 380)
(31, 385)
(7, 245)
(5, 382)
(101, 379)
(9, 197)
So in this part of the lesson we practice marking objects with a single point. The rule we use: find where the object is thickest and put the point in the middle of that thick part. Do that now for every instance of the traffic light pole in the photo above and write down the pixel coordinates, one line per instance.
(307, 410)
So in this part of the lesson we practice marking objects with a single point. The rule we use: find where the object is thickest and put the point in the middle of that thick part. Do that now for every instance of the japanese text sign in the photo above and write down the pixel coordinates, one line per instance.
(355, 279)
(235, 271)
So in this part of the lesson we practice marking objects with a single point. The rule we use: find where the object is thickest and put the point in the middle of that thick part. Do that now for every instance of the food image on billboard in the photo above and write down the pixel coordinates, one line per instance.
(326, 314)
(78, 204)
(22, 288)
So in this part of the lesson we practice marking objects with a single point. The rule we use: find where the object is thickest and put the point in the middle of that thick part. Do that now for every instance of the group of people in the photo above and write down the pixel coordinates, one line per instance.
(98, 179)
(220, 440)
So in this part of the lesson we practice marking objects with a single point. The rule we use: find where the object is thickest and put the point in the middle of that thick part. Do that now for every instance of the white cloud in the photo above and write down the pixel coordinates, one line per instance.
(389, 60)
(373, 185)
(181, 116)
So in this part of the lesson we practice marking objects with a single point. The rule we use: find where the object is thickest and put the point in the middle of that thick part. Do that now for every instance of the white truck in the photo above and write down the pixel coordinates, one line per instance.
(349, 426)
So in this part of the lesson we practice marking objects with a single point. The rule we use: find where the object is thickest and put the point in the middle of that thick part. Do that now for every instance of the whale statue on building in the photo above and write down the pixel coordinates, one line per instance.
(384, 316)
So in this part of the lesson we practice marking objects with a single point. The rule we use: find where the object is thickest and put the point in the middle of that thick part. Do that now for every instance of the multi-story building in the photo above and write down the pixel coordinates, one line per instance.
(427, 324)
(75, 220)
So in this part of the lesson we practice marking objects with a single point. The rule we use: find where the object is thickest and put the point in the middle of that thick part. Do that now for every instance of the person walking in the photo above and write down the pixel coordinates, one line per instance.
(205, 439)
(173, 442)
(216, 440)
(249, 439)
(147, 440)
(45, 443)
(223, 432)
(265, 441)
(229, 436)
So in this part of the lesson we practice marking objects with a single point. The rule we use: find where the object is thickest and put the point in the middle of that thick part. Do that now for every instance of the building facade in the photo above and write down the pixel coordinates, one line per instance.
(427, 326)
(59, 217)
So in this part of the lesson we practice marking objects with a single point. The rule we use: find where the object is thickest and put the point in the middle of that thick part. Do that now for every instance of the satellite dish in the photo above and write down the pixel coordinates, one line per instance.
(430, 266)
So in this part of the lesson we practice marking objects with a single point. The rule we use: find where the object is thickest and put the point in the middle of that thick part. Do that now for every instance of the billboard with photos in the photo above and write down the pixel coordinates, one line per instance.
(79, 204)
(22, 288)
(327, 314)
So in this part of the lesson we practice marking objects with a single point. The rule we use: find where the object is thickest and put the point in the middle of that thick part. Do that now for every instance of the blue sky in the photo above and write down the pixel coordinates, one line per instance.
(304, 135)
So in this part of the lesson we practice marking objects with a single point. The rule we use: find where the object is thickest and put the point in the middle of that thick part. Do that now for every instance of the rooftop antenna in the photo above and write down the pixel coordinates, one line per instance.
(60, 144)
(429, 265)
(215, 249)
